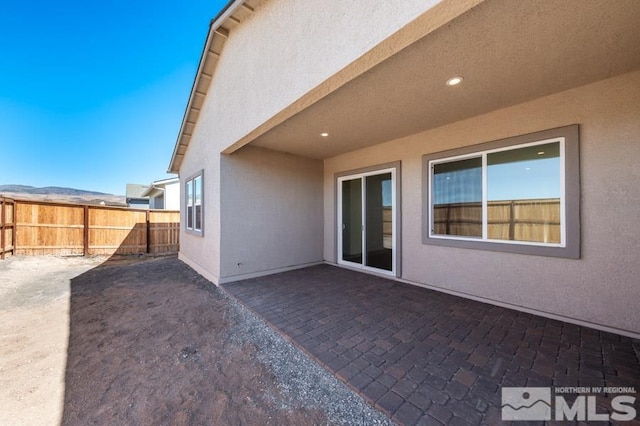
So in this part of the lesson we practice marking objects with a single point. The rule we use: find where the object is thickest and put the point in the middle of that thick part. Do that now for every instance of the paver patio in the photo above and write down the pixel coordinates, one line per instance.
(425, 357)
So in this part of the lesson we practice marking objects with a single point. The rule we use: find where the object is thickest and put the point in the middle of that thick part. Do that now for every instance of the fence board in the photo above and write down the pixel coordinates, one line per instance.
(518, 220)
(164, 232)
(117, 231)
(7, 227)
(42, 228)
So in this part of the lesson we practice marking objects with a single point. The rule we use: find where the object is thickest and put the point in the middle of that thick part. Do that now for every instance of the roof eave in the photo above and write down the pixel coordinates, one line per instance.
(153, 190)
(166, 181)
(216, 27)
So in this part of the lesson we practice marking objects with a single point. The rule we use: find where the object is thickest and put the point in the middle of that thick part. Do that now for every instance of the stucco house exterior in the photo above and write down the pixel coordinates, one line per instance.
(164, 194)
(484, 148)
(135, 198)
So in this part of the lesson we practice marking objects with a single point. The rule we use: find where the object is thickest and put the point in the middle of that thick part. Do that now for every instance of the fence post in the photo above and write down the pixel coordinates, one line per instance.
(3, 218)
(448, 226)
(86, 231)
(14, 227)
(512, 220)
(148, 233)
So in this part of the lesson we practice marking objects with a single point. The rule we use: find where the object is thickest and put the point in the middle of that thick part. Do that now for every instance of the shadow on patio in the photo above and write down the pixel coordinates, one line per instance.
(425, 356)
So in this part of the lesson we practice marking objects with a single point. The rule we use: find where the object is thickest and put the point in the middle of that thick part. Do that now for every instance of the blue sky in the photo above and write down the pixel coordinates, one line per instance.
(519, 180)
(92, 94)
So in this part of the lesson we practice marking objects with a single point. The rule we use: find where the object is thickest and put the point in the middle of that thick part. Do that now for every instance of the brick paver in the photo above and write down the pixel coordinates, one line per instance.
(424, 357)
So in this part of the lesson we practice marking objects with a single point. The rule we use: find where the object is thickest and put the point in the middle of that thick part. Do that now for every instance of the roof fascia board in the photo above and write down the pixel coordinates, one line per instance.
(166, 181)
(225, 13)
(215, 24)
(153, 190)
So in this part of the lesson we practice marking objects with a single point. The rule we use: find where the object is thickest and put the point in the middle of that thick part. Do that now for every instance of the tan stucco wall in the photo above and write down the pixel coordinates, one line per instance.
(288, 47)
(203, 253)
(253, 81)
(271, 212)
(603, 286)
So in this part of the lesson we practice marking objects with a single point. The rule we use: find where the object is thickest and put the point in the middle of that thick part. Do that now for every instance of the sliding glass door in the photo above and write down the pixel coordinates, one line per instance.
(367, 220)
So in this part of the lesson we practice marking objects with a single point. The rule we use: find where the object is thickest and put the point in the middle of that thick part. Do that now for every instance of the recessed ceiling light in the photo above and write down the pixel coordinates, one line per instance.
(453, 81)
(540, 152)
(324, 135)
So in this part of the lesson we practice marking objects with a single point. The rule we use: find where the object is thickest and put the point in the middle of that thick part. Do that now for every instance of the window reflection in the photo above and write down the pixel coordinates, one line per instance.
(379, 221)
(352, 220)
(189, 204)
(523, 194)
(457, 197)
(197, 182)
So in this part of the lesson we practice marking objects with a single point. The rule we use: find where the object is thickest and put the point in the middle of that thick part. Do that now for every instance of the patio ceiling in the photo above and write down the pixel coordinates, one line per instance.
(507, 51)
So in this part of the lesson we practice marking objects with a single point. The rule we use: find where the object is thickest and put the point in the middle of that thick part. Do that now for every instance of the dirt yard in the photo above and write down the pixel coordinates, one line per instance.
(146, 342)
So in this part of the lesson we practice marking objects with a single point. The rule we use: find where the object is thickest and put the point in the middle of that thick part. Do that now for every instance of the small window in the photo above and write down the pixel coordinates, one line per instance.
(194, 204)
(517, 195)
(189, 200)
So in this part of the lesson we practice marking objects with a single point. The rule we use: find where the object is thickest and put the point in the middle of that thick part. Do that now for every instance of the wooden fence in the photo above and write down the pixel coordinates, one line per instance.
(7, 210)
(520, 220)
(43, 228)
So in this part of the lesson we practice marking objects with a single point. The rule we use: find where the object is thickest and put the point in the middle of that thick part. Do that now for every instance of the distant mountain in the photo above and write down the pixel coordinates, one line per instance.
(47, 190)
(65, 195)
(15, 188)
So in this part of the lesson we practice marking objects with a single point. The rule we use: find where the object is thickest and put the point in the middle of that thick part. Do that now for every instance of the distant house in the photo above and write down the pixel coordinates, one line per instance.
(484, 148)
(135, 197)
(164, 194)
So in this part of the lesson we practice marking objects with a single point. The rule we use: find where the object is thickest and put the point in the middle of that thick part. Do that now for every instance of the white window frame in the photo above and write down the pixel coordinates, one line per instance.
(396, 214)
(569, 245)
(192, 181)
(394, 221)
(485, 188)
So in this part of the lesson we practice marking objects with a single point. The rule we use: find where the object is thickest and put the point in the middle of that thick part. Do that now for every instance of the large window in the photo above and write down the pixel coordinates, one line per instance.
(194, 204)
(519, 195)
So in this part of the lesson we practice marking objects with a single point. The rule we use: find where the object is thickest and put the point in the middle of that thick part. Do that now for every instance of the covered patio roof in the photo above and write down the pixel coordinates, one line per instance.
(506, 52)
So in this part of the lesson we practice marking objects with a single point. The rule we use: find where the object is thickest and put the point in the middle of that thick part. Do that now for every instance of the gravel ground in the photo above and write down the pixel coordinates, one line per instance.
(300, 380)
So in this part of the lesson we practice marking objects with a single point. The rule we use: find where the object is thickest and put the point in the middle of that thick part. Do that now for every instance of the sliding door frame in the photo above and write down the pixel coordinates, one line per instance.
(394, 169)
